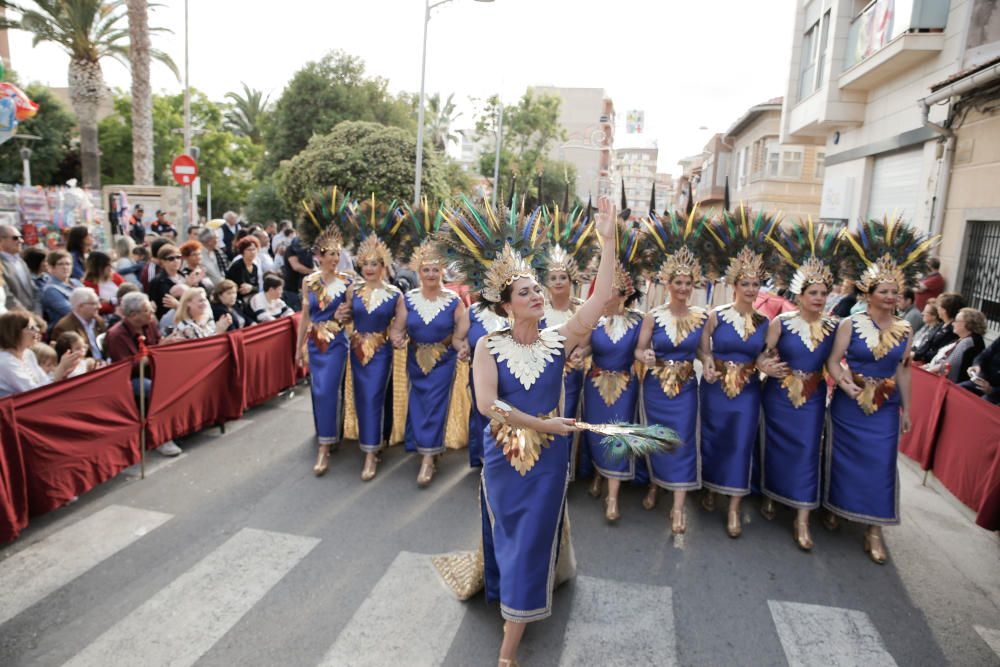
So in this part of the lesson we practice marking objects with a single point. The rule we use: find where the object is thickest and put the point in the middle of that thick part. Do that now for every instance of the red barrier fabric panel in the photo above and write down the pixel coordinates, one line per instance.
(929, 395)
(13, 483)
(268, 359)
(77, 434)
(196, 383)
(967, 461)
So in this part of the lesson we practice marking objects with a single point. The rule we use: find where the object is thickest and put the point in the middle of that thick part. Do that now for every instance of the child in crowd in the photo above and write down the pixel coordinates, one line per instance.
(268, 305)
(71, 341)
(46, 357)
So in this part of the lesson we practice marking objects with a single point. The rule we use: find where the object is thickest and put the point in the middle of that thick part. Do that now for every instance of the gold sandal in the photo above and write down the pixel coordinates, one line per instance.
(322, 461)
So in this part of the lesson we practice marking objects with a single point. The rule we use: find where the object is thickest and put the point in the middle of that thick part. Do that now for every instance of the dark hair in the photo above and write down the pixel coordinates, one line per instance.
(34, 258)
(65, 342)
(934, 263)
(124, 289)
(154, 247)
(245, 243)
(97, 261)
(951, 303)
(632, 298)
(224, 286)
(12, 323)
(272, 280)
(140, 251)
(74, 241)
(53, 257)
(908, 294)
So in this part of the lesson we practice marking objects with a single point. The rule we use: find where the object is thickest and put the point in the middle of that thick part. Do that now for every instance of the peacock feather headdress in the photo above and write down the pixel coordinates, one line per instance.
(572, 241)
(415, 235)
(323, 221)
(676, 240)
(889, 251)
(633, 255)
(377, 227)
(493, 248)
(811, 255)
(737, 245)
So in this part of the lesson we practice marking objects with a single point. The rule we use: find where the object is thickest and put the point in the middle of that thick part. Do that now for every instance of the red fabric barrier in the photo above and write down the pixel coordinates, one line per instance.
(13, 483)
(929, 395)
(196, 383)
(76, 434)
(268, 353)
(967, 461)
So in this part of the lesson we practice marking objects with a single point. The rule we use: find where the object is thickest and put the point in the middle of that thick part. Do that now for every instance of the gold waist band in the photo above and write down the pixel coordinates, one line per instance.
(365, 345)
(428, 354)
(521, 446)
(801, 385)
(673, 375)
(609, 384)
(874, 392)
(323, 333)
(735, 375)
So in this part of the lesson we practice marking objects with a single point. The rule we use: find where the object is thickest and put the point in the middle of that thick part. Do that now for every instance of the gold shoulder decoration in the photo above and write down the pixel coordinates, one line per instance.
(811, 333)
(491, 321)
(745, 325)
(617, 326)
(880, 341)
(679, 328)
(427, 309)
(373, 298)
(557, 318)
(526, 362)
(326, 293)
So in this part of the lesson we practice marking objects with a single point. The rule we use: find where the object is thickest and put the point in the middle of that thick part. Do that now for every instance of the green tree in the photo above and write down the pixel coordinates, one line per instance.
(226, 161)
(438, 120)
(247, 113)
(265, 203)
(55, 125)
(362, 158)
(530, 130)
(325, 93)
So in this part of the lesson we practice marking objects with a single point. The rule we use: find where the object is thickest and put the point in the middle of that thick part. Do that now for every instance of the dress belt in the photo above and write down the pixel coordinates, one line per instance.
(874, 391)
(609, 384)
(428, 354)
(323, 333)
(801, 385)
(366, 344)
(522, 447)
(673, 374)
(735, 375)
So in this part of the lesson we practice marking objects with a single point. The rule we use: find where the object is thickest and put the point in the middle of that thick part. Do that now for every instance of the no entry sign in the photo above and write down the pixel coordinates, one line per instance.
(184, 169)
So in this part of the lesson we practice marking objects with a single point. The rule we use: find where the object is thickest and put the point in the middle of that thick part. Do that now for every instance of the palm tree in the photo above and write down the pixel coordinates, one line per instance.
(142, 93)
(246, 113)
(89, 31)
(439, 120)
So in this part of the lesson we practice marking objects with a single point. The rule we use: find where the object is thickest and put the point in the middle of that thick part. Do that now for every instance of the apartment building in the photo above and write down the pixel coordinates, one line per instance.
(636, 169)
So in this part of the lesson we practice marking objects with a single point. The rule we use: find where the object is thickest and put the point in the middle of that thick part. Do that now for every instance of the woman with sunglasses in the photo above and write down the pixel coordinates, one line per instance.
(168, 276)
(19, 369)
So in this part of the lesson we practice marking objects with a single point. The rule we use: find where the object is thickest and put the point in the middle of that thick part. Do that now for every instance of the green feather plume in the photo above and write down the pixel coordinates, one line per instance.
(622, 439)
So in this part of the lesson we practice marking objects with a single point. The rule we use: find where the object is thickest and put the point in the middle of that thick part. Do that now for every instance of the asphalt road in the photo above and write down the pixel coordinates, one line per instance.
(235, 554)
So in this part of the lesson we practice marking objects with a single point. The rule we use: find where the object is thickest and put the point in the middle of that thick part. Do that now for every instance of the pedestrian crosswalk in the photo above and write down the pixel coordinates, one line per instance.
(409, 617)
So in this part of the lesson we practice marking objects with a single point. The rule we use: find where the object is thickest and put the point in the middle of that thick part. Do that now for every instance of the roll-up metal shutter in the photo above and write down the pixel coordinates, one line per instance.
(896, 184)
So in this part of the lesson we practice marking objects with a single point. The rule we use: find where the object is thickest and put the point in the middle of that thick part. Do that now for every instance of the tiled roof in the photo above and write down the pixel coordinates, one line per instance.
(964, 73)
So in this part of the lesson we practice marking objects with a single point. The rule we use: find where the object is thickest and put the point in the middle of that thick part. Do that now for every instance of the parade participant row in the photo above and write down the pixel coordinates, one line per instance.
(758, 421)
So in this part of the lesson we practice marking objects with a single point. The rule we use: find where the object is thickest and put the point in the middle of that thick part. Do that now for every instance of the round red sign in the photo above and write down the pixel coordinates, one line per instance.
(184, 169)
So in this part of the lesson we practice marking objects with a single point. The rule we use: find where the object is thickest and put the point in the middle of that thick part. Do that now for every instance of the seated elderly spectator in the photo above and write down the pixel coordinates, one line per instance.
(19, 369)
(931, 324)
(191, 264)
(909, 311)
(955, 358)
(116, 317)
(213, 260)
(74, 342)
(195, 318)
(225, 303)
(984, 374)
(83, 320)
(268, 305)
(56, 293)
(102, 278)
(245, 271)
(46, 357)
(174, 297)
(948, 305)
(122, 342)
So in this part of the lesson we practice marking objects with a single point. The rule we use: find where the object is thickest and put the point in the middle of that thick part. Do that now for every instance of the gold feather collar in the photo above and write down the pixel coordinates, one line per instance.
(678, 328)
(426, 309)
(811, 333)
(880, 341)
(745, 325)
(373, 298)
(617, 326)
(525, 362)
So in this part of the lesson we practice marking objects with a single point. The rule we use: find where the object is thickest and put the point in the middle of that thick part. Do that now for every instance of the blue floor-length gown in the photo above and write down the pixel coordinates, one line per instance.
(670, 396)
(371, 361)
(795, 413)
(523, 514)
(430, 325)
(572, 390)
(482, 321)
(729, 423)
(611, 388)
(327, 344)
(861, 477)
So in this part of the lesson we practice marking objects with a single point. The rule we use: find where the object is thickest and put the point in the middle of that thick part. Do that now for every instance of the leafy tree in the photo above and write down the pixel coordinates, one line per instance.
(459, 181)
(265, 203)
(226, 161)
(325, 93)
(55, 125)
(247, 113)
(361, 157)
(438, 121)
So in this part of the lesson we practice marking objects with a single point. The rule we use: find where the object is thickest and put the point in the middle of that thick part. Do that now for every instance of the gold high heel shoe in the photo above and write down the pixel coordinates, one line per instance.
(508, 662)
(426, 473)
(708, 501)
(595, 486)
(322, 462)
(734, 524)
(611, 512)
(371, 467)
(831, 521)
(678, 522)
(768, 509)
(649, 502)
(800, 530)
(875, 548)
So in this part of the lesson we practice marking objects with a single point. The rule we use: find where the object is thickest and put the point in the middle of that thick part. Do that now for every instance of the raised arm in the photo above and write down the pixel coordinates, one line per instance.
(578, 328)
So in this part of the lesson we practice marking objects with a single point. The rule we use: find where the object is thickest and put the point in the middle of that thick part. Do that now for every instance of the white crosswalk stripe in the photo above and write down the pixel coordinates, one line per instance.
(183, 620)
(409, 618)
(991, 637)
(619, 623)
(43, 568)
(818, 636)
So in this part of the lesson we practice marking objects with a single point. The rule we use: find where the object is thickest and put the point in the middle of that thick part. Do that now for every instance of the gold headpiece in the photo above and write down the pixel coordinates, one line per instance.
(900, 252)
(560, 260)
(813, 271)
(319, 228)
(373, 248)
(426, 253)
(750, 232)
(503, 271)
(882, 270)
(746, 264)
(681, 263)
(572, 241)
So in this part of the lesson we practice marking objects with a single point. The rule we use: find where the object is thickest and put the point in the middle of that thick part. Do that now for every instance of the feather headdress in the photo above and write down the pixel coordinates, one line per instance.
(493, 248)
(572, 239)
(634, 256)
(737, 246)
(676, 240)
(811, 255)
(889, 251)
(376, 226)
(414, 236)
(324, 219)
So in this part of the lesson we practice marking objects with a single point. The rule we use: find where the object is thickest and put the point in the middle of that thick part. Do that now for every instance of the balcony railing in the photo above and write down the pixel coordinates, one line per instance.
(884, 20)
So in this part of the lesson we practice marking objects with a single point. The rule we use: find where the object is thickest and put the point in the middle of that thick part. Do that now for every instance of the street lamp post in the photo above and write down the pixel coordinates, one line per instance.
(26, 165)
(496, 161)
(428, 6)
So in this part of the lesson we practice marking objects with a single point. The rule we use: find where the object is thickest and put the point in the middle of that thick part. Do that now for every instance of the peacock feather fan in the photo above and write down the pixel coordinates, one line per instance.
(737, 244)
(887, 251)
(634, 440)
(810, 253)
(325, 218)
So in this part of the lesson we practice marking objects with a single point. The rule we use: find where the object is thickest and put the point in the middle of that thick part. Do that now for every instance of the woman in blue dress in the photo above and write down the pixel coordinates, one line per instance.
(870, 364)
(667, 347)
(518, 373)
(794, 395)
(611, 386)
(325, 310)
(731, 341)
(433, 317)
